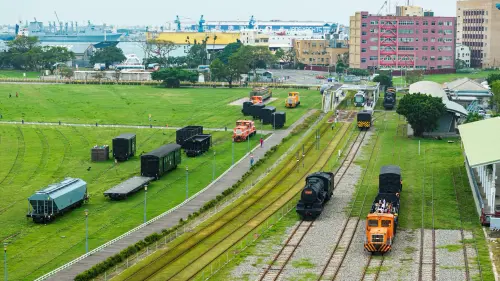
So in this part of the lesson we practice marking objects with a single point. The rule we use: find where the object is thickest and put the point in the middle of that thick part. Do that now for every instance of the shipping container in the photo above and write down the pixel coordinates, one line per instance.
(161, 160)
(256, 110)
(185, 133)
(279, 119)
(99, 153)
(247, 108)
(266, 115)
(45, 205)
(197, 145)
(124, 146)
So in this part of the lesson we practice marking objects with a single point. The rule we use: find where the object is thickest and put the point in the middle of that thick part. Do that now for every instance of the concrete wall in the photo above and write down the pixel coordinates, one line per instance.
(111, 75)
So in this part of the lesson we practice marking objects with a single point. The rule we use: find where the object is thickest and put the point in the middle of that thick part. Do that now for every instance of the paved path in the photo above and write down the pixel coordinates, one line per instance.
(226, 180)
(115, 126)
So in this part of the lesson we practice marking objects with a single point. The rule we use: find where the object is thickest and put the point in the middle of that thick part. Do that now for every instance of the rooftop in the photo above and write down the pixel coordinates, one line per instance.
(466, 85)
(436, 90)
(480, 141)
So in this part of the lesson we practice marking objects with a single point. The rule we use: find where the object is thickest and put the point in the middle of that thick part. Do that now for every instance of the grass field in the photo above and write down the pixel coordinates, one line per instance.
(45, 155)
(18, 74)
(132, 104)
(443, 78)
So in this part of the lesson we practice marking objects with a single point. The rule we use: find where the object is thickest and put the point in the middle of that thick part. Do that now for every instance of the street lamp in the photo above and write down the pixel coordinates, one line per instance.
(145, 201)
(86, 231)
(232, 161)
(5, 259)
(187, 183)
(213, 170)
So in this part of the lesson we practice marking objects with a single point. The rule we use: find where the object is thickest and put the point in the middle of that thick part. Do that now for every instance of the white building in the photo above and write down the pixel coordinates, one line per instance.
(274, 40)
(463, 53)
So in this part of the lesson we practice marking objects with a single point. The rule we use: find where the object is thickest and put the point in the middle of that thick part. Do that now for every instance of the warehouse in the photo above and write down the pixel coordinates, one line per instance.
(455, 113)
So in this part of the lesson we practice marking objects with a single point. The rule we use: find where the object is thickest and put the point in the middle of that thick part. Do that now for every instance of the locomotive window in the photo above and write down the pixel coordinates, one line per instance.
(386, 223)
(373, 223)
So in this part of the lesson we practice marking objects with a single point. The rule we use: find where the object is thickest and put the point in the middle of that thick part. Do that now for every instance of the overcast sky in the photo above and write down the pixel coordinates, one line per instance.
(157, 12)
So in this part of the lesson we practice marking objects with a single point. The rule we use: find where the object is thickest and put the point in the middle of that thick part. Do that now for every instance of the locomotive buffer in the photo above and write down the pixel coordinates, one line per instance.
(122, 190)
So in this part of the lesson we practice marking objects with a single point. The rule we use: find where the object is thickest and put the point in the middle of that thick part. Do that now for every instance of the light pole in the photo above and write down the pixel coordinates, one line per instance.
(187, 183)
(248, 143)
(232, 161)
(86, 231)
(145, 201)
(5, 259)
(213, 168)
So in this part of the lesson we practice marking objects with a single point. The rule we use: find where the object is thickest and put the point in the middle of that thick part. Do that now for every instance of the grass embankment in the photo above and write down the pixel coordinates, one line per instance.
(433, 168)
(132, 105)
(48, 154)
(231, 233)
(5, 74)
(443, 78)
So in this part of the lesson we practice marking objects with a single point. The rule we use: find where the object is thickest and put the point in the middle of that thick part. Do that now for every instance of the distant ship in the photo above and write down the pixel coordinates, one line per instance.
(66, 33)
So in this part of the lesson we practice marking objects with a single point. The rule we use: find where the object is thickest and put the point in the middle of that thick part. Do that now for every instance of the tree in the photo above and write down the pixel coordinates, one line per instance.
(162, 49)
(422, 112)
(172, 77)
(254, 57)
(53, 55)
(384, 80)
(227, 72)
(228, 51)
(108, 55)
(358, 71)
(117, 75)
(196, 55)
(279, 54)
(492, 78)
(460, 64)
(98, 76)
(67, 72)
(414, 76)
(473, 117)
(495, 99)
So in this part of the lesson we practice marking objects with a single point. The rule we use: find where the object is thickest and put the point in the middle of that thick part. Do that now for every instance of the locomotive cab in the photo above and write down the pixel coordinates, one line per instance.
(380, 232)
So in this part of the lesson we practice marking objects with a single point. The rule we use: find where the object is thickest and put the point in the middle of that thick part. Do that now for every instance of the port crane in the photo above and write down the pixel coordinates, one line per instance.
(200, 24)
(178, 22)
(251, 23)
(381, 8)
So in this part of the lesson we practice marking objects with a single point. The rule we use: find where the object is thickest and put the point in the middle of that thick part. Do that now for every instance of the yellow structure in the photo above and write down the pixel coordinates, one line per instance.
(181, 38)
(317, 52)
(293, 100)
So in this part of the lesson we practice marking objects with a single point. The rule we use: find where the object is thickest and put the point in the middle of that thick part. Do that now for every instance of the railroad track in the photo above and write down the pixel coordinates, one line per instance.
(427, 259)
(343, 243)
(275, 268)
(462, 235)
(227, 219)
(372, 263)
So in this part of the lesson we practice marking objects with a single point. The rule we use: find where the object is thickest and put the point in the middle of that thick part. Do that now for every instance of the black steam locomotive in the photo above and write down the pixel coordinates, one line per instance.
(318, 189)
(390, 98)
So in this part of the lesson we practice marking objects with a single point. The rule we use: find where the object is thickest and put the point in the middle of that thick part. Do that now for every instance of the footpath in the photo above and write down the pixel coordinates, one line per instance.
(113, 126)
(171, 217)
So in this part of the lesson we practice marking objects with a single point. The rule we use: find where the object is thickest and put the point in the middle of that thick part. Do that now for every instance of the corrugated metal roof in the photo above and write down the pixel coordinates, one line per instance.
(480, 141)
(163, 150)
(435, 90)
(465, 84)
(126, 136)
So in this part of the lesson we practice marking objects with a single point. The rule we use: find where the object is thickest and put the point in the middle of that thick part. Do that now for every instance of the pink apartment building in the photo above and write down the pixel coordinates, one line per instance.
(412, 42)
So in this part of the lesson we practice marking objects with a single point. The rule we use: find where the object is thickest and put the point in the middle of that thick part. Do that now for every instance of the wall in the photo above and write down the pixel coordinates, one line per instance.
(317, 52)
(110, 75)
(355, 41)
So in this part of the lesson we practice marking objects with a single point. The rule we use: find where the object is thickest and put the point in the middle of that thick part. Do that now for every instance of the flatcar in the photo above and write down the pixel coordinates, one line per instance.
(317, 191)
(390, 98)
(364, 119)
(360, 99)
(161, 160)
(56, 199)
(382, 221)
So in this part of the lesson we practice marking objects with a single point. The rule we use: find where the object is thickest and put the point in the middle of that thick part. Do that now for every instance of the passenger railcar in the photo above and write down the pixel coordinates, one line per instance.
(383, 219)
(161, 160)
(364, 119)
(317, 191)
(360, 99)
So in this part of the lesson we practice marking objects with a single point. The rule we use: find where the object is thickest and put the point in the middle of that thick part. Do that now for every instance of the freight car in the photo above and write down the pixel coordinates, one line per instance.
(383, 219)
(390, 98)
(364, 119)
(197, 145)
(185, 133)
(279, 119)
(247, 111)
(56, 199)
(317, 191)
(266, 115)
(256, 110)
(124, 146)
(161, 160)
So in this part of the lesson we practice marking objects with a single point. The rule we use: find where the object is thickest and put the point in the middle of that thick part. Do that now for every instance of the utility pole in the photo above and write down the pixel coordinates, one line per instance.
(86, 231)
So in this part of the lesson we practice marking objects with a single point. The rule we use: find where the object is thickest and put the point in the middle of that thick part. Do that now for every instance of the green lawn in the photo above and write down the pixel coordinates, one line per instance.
(132, 104)
(48, 154)
(443, 78)
(18, 74)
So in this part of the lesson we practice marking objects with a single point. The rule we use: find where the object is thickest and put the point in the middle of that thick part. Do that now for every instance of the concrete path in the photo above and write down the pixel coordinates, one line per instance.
(226, 180)
(116, 126)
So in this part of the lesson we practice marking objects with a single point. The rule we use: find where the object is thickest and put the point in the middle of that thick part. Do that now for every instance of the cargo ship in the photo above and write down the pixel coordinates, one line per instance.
(65, 32)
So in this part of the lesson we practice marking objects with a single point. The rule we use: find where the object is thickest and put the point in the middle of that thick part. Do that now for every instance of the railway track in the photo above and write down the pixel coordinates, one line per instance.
(197, 237)
(462, 234)
(427, 259)
(276, 267)
(373, 263)
(343, 243)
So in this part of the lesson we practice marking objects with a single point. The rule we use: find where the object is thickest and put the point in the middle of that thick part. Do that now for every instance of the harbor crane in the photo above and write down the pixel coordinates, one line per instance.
(381, 8)
(178, 22)
(200, 24)
(251, 23)
(498, 6)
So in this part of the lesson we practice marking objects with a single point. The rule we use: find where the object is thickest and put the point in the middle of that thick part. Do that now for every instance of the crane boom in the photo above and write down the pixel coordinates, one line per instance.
(381, 8)
(58, 21)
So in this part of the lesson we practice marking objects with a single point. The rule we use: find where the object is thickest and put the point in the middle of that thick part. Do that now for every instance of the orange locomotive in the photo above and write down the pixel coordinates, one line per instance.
(243, 130)
(382, 221)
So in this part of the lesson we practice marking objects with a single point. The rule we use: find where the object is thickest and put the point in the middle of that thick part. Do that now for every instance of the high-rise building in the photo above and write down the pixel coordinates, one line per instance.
(396, 42)
(478, 27)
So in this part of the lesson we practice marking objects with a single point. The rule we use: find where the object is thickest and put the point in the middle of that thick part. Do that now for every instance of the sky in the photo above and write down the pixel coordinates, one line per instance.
(160, 12)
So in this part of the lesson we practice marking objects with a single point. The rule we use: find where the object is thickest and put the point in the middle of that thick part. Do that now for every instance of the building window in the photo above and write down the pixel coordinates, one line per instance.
(425, 31)
(363, 24)
(433, 39)
(448, 31)
(425, 48)
(373, 48)
(374, 22)
(433, 48)
(363, 41)
(433, 23)
(373, 30)
(363, 60)
(374, 39)
(363, 33)
(425, 22)
(425, 39)
(373, 58)
(440, 23)
(363, 50)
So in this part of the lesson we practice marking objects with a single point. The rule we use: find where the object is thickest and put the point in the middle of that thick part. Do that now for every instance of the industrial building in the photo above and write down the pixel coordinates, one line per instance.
(466, 92)
(478, 26)
(395, 42)
(319, 51)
